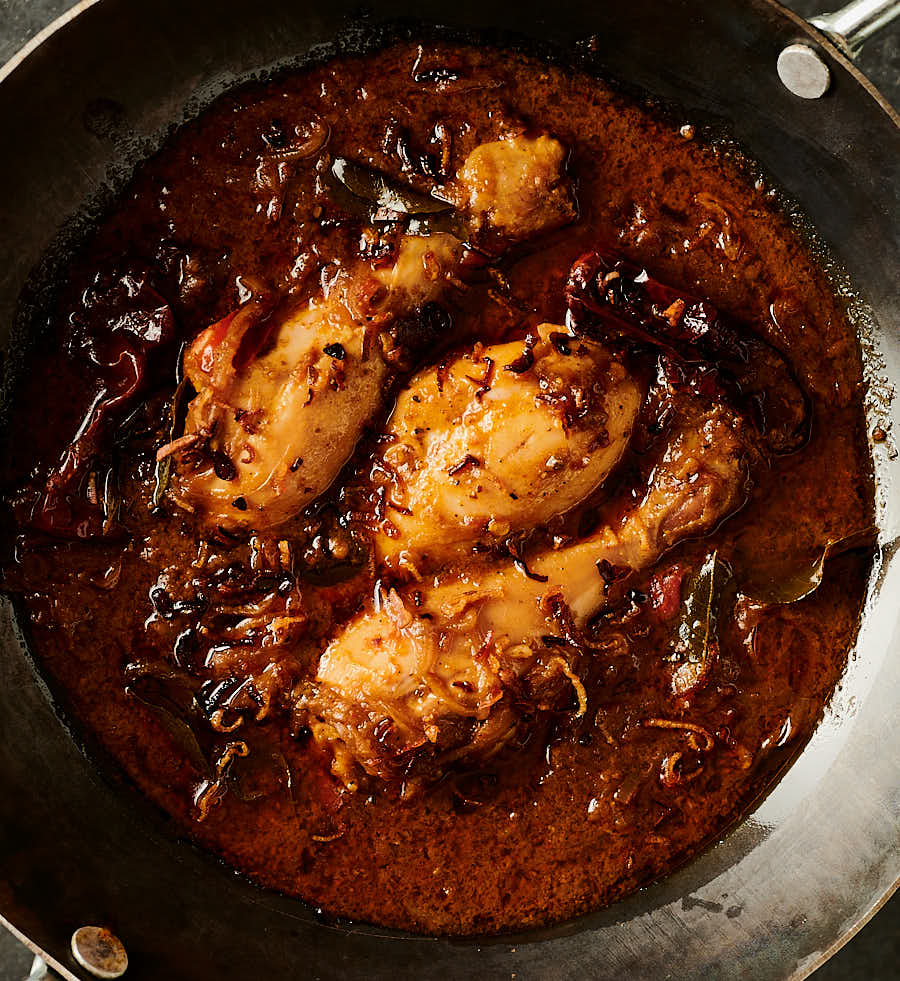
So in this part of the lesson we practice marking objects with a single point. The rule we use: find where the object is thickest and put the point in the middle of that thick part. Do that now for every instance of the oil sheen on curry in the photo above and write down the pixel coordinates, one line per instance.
(443, 488)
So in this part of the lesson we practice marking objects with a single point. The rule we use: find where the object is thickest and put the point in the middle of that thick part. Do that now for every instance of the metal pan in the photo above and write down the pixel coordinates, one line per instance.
(813, 861)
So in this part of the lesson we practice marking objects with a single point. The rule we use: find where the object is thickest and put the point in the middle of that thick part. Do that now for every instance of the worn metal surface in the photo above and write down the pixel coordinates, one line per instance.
(804, 71)
(811, 861)
(851, 25)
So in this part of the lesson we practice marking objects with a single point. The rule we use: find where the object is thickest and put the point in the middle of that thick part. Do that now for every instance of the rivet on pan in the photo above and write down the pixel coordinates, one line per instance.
(803, 71)
(99, 952)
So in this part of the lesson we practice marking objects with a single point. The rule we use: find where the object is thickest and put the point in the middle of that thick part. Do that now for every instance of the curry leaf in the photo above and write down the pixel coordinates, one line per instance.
(790, 585)
(163, 470)
(381, 192)
(793, 581)
(166, 704)
(261, 773)
(697, 629)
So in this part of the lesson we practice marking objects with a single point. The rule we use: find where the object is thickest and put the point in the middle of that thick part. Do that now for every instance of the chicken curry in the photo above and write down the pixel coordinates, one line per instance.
(450, 498)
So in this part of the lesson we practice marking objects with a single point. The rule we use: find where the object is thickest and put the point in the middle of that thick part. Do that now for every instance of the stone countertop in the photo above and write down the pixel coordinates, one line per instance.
(874, 954)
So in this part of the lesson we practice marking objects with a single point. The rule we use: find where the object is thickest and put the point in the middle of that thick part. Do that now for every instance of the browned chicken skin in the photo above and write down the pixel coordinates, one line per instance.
(275, 429)
(500, 440)
(515, 187)
(191, 653)
(494, 441)
(425, 658)
(285, 424)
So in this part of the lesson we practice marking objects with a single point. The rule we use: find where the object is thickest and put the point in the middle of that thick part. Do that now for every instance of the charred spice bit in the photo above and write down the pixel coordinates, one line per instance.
(610, 573)
(467, 461)
(442, 374)
(515, 550)
(223, 466)
(249, 420)
(484, 383)
(525, 361)
(335, 351)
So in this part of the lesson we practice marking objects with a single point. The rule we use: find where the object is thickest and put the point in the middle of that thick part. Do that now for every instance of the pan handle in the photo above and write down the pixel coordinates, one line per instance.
(801, 67)
(850, 26)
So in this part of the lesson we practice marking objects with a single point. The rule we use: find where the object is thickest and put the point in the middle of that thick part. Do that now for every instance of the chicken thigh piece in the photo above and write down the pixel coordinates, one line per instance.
(278, 429)
(282, 399)
(515, 187)
(428, 667)
(499, 440)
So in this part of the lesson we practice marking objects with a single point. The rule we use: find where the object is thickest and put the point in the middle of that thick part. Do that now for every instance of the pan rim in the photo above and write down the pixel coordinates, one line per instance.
(829, 47)
(834, 54)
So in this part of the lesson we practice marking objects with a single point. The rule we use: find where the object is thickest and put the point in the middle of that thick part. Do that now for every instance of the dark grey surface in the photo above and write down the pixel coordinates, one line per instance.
(875, 953)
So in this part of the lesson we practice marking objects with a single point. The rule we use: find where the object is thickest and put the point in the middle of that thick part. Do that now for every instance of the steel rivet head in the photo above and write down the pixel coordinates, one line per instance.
(99, 952)
(803, 71)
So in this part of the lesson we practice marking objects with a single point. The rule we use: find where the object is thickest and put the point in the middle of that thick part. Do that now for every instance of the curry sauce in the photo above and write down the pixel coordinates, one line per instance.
(350, 633)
